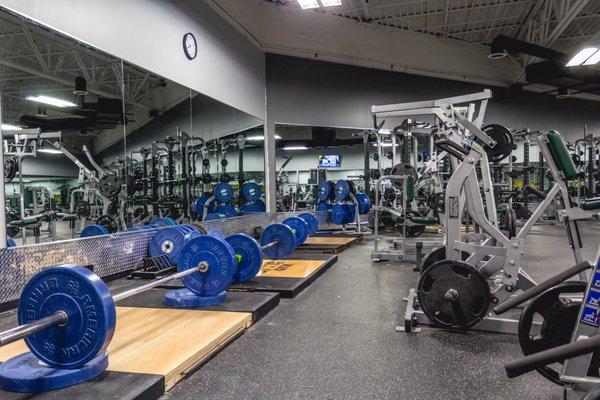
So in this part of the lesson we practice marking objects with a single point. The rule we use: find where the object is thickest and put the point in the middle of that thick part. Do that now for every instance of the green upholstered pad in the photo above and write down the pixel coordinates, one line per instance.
(590, 204)
(561, 155)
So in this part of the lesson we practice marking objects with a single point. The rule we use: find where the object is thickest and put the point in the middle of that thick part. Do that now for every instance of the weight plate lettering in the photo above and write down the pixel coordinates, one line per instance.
(90, 308)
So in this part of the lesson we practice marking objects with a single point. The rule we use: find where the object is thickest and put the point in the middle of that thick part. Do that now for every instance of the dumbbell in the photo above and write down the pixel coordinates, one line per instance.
(277, 241)
(67, 318)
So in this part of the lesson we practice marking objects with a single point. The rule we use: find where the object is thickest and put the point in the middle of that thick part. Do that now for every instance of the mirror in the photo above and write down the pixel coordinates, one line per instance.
(309, 155)
(58, 95)
(231, 163)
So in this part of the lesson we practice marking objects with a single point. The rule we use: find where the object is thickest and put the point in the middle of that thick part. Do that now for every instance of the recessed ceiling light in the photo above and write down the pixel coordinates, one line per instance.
(295, 148)
(329, 3)
(51, 101)
(306, 4)
(582, 56)
(260, 137)
(594, 59)
(383, 144)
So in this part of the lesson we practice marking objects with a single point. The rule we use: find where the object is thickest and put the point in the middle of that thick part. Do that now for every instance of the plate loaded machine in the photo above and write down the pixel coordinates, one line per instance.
(569, 335)
(59, 305)
(24, 143)
(465, 279)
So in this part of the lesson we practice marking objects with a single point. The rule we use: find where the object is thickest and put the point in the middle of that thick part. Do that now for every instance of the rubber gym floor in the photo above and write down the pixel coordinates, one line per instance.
(337, 340)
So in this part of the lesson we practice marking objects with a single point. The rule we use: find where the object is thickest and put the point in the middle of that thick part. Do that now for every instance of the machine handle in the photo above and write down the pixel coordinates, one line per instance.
(541, 287)
(529, 363)
(452, 148)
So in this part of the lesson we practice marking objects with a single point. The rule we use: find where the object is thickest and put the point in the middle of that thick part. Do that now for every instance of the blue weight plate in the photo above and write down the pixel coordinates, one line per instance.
(248, 255)
(214, 216)
(164, 221)
(167, 242)
(323, 207)
(199, 205)
(324, 191)
(216, 234)
(300, 228)
(364, 203)
(90, 309)
(226, 209)
(93, 230)
(25, 374)
(183, 298)
(286, 241)
(311, 221)
(342, 190)
(252, 208)
(251, 191)
(10, 242)
(223, 192)
(221, 265)
(338, 214)
(350, 213)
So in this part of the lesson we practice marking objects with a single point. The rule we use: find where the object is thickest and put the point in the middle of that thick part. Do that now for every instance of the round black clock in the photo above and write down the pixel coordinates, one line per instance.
(190, 47)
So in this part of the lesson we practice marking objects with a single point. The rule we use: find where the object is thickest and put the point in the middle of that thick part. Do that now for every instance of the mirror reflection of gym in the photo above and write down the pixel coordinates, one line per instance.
(58, 95)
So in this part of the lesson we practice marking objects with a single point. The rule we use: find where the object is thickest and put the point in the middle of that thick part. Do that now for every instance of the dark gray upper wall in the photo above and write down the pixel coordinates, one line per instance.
(311, 92)
(210, 119)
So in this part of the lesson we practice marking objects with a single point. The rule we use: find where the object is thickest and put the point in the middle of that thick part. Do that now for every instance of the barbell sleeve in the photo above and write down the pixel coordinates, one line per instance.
(22, 331)
(158, 282)
(60, 317)
(266, 246)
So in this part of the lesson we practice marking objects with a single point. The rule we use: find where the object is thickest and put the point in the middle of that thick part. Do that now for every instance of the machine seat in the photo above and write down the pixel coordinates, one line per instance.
(561, 155)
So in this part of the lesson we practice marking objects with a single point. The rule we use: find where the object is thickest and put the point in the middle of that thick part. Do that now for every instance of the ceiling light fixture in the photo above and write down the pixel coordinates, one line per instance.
(306, 4)
(260, 137)
(583, 56)
(51, 101)
(295, 148)
(8, 127)
(383, 144)
(49, 151)
(330, 3)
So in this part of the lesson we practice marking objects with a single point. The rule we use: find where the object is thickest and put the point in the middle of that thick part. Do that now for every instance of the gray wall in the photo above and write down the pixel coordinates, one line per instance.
(319, 93)
(209, 119)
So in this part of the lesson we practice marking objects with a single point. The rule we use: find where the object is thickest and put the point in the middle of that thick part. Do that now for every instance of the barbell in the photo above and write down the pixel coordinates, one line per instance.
(67, 315)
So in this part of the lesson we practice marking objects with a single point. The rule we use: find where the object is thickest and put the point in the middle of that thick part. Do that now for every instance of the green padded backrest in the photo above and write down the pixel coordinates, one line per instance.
(410, 188)
(561, 155)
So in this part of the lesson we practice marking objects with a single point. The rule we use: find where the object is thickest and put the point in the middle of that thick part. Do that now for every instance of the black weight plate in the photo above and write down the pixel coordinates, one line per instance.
(82, 208)
(11, 167)
(437, 202)
(453, 294)
(109, 223)
(109, 185)
(504, 142)
(436, 255)
(559, 315)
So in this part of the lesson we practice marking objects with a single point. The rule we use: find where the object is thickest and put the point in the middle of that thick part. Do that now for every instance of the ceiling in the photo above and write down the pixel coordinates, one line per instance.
(560, 24)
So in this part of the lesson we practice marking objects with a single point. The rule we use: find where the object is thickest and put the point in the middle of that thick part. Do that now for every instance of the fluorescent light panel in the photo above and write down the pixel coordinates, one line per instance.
(49, 151)
(53, 101)
(260, 137)
(594, 59)
(582, 56)
(329, 3)
(383, 144)
(8, 127)
(306, 4)
(295, 148)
